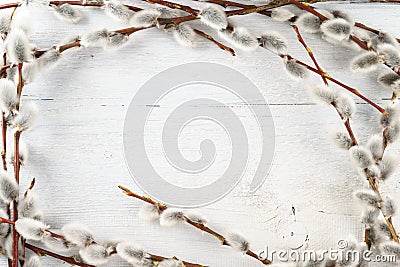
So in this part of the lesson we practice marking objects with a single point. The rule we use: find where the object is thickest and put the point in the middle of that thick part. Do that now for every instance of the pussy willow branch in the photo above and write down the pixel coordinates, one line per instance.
(17, 166)
(266, 13)
(15, 206)
(311, 55)
(4, 140)
(131, 30)
(346, 123)
(353, 38)
(43, 252)
(131, 7)
(371, 180)
(197, 225)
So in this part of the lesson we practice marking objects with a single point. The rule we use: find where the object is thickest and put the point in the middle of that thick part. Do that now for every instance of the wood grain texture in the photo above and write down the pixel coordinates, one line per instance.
(77, 151)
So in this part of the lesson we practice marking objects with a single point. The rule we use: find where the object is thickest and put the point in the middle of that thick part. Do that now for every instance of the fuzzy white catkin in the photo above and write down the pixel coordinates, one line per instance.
(387, 166)
(337, 29)
(56, 244)
(361, 156)
(390, 248)
(383, 38)
(28, 206)
(368, 197)
(184, 35)
(281, 14)
(311, 23)
(369, 216)
(375, 145)
(170, 263)
(388, 207)
(68, 13)
(25, 117)
(343, 15)
(36, 3)
(237, 242)
(243, 39)
(171, 217)
(8, 94)
(23, 154)
(366, 62)
(4, 24)
(383, 229)
(213, 16)
(30, 71)
(131, 252)
(390, 54)
(22, 20)
(390, 80)
(197, 218)
(17, 46)
(392, 132)
(145, 18)
(169, 12)
(94, 254)
(33, 261)
(295, 70)
(116, 40)
(4, 227)
(31, 229)
(78, 234)
(149, 212)
(48, 59)
(274, 42)
(391, 117)
(323, 94)
(95, 38)
(8, 187)
(345, 105)
(343, 140)
(118, 11)
(240, 38)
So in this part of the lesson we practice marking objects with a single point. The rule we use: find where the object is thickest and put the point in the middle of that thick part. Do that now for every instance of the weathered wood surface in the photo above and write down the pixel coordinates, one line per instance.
(77, 151)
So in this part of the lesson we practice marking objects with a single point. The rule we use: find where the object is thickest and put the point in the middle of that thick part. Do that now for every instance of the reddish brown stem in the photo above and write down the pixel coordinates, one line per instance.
(350, 131)
(4, 139)
(348, 88)
(197, 225)
(43, 252)
(389, 223)
(4, 220)
(15, 207)
(352, 37)
(309, 51)
(220, 45)
(20, 84)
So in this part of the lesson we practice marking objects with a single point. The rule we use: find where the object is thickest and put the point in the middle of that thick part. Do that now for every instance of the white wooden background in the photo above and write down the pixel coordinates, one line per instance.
(77, 151)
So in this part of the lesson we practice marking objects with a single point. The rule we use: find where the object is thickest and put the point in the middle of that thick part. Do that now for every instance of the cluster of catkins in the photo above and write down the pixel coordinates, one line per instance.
(372, 163)
(338, 28)
(78, 239)
(171, 216)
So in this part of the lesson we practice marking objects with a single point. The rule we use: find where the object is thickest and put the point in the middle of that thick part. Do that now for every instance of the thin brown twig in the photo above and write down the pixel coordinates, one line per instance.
(311, 55)
(226, 3)
(351, 134)
(220, 45)
(15, 207)
(197, 225)
(352, 37)
(43, 252)
(4, 140)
